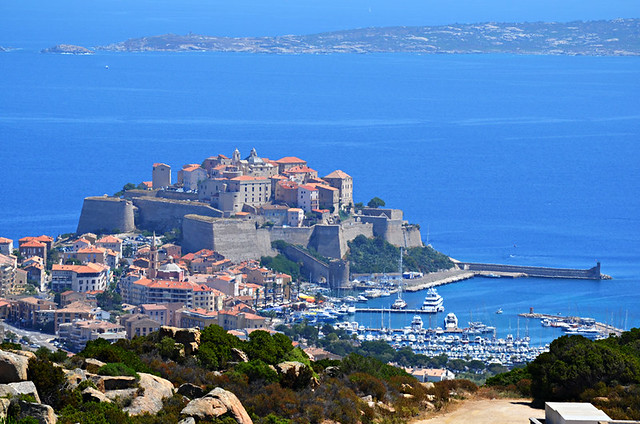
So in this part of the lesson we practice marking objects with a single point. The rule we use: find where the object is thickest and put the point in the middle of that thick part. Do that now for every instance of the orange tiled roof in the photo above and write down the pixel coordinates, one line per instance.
(290, 159)
(109, 239)
(247, 178)
(4, 240)
(32, 243)
(338, 174)
(299, 170)
(308, 187)
(44, 238)
(155, 165)
(89, 268)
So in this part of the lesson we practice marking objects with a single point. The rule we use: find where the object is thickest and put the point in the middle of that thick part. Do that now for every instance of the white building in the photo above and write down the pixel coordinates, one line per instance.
(307, 197)
(79, 278)
(572, 413)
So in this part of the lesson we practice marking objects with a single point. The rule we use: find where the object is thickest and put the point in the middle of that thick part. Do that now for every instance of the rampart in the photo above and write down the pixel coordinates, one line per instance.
(237, 240)
(533, 271)
(161, 215)
(395, 231)
(335, 273)
(106, 214)
(160, 194)
(293, 235)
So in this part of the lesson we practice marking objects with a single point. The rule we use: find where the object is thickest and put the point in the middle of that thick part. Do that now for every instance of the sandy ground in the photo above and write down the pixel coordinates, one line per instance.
(488, 411)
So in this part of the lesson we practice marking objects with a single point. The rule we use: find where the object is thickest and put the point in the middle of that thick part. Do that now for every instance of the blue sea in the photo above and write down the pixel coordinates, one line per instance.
(530, 160)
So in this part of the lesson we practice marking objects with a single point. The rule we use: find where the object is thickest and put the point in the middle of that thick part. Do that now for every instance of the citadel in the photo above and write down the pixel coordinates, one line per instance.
(238, 207)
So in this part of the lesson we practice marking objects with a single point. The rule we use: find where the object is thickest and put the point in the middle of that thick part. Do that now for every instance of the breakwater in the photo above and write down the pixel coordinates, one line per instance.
(533, 271)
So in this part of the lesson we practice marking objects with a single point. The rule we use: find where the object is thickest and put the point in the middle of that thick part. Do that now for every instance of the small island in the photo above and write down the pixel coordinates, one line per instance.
(617, 37)
(67, 49)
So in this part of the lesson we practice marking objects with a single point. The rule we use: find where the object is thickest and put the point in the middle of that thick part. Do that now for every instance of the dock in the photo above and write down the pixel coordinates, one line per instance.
(388, 310)
(602, 327)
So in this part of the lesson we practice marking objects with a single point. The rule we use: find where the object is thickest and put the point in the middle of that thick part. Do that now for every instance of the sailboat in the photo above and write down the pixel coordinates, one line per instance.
(399, 303)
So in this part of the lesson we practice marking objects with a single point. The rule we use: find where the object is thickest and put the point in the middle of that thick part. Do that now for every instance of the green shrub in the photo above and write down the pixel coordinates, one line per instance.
(116, 369)
(257, 370)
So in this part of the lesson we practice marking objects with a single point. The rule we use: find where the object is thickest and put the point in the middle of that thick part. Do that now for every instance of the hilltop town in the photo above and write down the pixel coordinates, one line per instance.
(192, 252)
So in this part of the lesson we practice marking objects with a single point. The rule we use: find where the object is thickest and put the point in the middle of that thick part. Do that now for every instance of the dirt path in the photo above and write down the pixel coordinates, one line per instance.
(488, 411)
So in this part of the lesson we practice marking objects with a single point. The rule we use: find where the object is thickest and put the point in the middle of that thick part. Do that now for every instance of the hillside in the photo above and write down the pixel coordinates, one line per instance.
(596, 38)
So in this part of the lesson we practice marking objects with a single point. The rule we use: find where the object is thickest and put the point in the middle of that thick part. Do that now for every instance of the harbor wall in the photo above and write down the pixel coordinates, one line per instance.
(106, 214)
(532, 271)
(235, 239)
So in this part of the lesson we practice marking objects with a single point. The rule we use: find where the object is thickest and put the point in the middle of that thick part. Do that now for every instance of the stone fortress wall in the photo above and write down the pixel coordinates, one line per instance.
(235, 239)
(103, 213)
(161, 215)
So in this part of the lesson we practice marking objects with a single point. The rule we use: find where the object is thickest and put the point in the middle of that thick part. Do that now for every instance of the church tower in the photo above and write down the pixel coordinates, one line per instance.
(235, 159)
(153, 259)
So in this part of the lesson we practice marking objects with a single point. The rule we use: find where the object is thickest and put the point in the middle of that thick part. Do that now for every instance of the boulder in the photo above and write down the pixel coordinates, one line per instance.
(43, 413)
(188, 420)
(215, 403)
(332, 372)
(21, 388)
(4, 407)
(191, 391)
(92, 365)
(75, 377)
(429, 385)
(155, 390)
(284, 367)
(117, 383)
(239, 355)
(92, 395)
(189, 337)
(121, 394)
(13, 367)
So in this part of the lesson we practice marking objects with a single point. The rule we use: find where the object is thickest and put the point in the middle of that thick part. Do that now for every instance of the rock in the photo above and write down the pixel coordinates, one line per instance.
(407, 396)
(92, 365)
(121, 394)
(117, 383)
(429, 406)
(429, 385)
(155, 390)
(191, 391)
(600, 399)
(92, 395)
(188, 420)
(332, 372)
(13, 367)
(284, 367)
(431, 398)
(189, 337)
(43, 413)
(21, 388)
(215, 403)
(4, 407)
(385, 407)
(239, 355)
(367, 398)
(67, 49)
(75, 377)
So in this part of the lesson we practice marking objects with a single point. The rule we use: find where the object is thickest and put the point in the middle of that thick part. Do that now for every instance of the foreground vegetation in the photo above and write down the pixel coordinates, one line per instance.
(604, 372)
(354, 390)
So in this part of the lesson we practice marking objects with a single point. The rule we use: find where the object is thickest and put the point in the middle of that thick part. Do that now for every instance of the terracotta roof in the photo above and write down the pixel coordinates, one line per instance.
(148, 184)
(32, 243)
(109, 239)
(191, 168)
(44, 238)
(338, 174)
(4, 240)
(89, 268)
(288, 184)
(309, 187)
(155, 165)
(290, 159)
(299, 169)
(92, 249)
(324, 186)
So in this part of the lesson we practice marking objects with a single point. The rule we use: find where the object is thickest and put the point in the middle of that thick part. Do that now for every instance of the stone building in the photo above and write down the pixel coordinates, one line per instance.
(6, 246)
(79, 278)
(161, 176)
(343, 182)
(33, 248)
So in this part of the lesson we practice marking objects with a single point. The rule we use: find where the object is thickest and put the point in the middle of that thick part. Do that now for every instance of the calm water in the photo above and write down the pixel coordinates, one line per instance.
(524, 160)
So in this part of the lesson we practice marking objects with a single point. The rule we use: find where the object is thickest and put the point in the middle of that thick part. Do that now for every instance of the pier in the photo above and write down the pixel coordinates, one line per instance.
(601, 327)
(385, 310)
(500, 270)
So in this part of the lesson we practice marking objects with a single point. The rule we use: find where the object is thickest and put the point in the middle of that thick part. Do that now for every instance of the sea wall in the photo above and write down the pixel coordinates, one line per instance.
(235, 239)
(161, 215)
(106, 214)
(533, 271)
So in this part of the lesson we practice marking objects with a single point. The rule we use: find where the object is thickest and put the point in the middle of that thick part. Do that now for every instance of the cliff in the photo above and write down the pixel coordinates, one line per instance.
(106, 214)
(67, 49)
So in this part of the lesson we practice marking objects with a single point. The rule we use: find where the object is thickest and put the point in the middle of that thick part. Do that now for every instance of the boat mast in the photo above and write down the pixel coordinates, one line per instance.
(401, 276)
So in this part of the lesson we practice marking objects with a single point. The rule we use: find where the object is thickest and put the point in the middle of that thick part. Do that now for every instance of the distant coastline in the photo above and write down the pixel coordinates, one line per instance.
(617, 37)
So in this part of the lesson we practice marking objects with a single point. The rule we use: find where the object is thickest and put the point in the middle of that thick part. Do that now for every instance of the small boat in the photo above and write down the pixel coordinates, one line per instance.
(399, 303)
(499, 311)
(361, 298)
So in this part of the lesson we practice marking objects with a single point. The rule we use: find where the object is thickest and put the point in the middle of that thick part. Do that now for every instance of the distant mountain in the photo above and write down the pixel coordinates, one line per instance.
(619, 37)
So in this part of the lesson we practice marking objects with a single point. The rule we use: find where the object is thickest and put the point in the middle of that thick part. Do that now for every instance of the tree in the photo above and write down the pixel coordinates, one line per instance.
(376, 202)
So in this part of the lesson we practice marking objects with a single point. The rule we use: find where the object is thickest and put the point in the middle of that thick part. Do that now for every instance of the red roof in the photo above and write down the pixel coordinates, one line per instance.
(290, 159)
(309, 187)
(5, 240)
(300, 170)
(32, 243)
(155, 165)
(109, 239)
(247, 178)
(338, 174)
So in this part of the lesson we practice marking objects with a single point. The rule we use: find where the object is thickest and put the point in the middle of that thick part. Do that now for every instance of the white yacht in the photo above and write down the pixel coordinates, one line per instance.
(432, 302)
(450, 321)
(399, 303)
(416, 323)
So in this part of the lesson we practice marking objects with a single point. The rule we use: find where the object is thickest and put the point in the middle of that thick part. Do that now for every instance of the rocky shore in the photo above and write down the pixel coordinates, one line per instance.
(67, 49)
